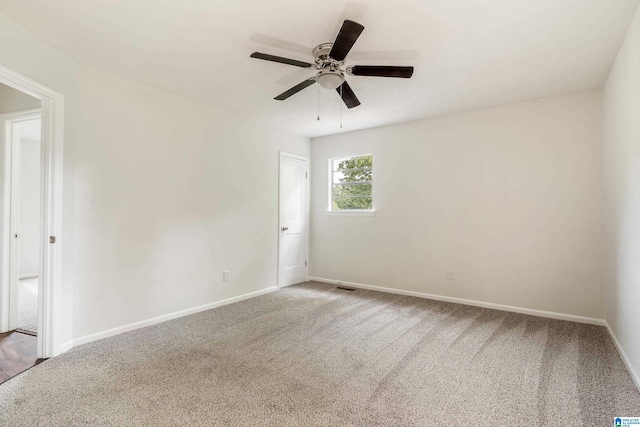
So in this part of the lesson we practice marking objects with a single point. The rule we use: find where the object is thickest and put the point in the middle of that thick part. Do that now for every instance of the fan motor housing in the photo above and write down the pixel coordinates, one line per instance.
(321, 53)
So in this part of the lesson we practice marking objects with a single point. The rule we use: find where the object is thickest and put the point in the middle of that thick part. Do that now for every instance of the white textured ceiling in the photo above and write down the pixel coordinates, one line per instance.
(467, 54)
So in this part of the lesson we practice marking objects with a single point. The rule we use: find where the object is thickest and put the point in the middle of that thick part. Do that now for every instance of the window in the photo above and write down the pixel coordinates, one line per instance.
(351, 184)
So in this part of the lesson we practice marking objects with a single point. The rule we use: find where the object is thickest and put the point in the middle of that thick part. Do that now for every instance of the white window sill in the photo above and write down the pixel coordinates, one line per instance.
(351, 213)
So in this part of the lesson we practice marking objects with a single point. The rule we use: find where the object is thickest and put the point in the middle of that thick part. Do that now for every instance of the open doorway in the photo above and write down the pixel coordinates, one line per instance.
(46, 105)
(22, 222)
(26, 218)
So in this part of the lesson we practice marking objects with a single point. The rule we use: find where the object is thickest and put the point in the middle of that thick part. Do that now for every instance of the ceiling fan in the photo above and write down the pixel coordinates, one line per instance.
(329, 62)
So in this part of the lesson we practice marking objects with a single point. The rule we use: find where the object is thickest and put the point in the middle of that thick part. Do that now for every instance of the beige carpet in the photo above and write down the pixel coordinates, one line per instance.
(313, 355)
(28, 305)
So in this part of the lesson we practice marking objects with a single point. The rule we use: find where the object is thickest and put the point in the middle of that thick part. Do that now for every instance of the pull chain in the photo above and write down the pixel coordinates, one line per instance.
(318, 119)
(341, 101)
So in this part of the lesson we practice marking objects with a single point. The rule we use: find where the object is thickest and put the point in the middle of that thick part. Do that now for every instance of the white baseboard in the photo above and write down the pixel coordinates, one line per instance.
(625, 358)
(530, 311)
(65, 347)
(28, 276)
(143, 323)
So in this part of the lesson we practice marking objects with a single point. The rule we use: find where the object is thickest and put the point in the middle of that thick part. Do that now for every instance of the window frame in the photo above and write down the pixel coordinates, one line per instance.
(330, 189)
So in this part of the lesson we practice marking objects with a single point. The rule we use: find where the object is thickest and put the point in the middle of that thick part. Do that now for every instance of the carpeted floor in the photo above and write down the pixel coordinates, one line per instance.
(28, 305)
(313, 355)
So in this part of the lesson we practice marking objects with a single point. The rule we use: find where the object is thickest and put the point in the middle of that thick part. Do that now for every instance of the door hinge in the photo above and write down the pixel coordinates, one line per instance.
(305, 263)
(306, 175)
(52, 239)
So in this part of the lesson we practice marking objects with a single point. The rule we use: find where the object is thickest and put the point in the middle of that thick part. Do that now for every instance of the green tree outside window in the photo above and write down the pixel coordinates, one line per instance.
(352, 183)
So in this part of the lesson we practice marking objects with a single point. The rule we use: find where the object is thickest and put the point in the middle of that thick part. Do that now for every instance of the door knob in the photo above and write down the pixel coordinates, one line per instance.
(285, 228)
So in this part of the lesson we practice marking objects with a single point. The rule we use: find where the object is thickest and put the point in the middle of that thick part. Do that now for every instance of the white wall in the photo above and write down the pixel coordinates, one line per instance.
(510, 198)
(12, 100)
(622, 190)
(160, 195)
(29, 207)
(182, 192)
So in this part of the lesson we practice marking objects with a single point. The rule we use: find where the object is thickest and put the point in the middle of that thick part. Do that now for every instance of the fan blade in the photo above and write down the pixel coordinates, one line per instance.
(350, 99)
(281, 60)
(381, 71)
(347, 36)
(297, 88)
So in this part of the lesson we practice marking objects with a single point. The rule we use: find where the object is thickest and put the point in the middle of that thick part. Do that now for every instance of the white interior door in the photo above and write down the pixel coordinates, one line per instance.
(294, 219)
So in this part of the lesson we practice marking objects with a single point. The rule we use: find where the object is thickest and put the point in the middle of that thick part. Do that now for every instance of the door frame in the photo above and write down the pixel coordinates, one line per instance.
(51, 149)
(308, 212)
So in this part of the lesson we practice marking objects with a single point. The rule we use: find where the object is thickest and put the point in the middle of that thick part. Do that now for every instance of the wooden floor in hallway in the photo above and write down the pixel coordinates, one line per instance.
(18, 352)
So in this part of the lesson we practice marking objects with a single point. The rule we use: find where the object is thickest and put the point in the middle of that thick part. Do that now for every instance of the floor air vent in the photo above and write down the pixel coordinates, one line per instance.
(345, 289)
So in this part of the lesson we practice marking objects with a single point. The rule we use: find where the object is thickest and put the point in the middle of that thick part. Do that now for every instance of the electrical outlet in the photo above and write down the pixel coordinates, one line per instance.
(449, 274)
(225, 276)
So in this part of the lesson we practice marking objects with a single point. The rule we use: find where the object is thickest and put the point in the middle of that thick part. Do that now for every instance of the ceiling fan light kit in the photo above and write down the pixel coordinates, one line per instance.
(330, 79)
(329, 64)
